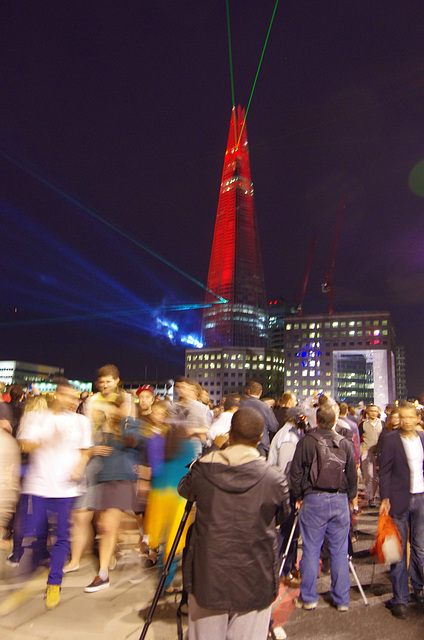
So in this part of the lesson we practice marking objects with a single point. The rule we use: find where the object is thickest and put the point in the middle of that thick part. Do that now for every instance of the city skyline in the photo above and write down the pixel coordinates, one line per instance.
(125, 112)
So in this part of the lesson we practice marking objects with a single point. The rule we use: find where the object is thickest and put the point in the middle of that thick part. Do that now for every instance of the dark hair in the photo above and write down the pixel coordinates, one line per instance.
(108, 370)
(63, 382)
(343, 408)
(255, 388)
(233, 400)
(247, 426)
(16, 391)
(322, 400)
(326, 416)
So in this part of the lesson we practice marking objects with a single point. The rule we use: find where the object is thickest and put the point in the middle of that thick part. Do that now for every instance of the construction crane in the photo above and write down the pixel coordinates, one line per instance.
(327, 285)
(298, 309)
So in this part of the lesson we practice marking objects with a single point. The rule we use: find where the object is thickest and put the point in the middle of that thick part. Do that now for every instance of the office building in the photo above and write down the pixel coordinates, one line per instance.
(349, 356)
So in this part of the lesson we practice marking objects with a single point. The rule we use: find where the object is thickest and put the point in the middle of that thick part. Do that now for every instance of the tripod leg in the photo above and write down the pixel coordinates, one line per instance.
(166, 569)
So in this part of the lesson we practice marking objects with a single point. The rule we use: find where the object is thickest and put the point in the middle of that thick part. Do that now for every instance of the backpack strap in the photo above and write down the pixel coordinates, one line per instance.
(336, 437)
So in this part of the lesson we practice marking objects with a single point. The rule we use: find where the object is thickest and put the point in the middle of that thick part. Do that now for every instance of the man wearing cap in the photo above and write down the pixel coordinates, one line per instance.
(146, 395)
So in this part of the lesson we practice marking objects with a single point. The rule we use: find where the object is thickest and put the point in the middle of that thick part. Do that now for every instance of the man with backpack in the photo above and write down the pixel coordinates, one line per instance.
(323, 482)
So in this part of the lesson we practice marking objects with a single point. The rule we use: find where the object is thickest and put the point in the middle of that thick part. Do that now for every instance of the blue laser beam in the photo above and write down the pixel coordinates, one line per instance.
(104, 221)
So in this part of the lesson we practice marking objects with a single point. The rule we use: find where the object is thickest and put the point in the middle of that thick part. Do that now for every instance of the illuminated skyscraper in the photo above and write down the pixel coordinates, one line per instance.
(235, 269)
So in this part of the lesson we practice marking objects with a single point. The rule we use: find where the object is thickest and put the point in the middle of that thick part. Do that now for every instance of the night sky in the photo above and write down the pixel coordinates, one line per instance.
(114, 119)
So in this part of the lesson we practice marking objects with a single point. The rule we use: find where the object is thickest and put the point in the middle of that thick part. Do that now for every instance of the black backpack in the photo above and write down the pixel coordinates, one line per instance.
(329, 462)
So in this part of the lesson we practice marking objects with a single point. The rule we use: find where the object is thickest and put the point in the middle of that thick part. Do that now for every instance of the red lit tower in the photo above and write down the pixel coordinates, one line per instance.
(235, 268)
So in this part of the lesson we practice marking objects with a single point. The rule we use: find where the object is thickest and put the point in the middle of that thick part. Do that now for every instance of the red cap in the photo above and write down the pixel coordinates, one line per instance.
(145, 387)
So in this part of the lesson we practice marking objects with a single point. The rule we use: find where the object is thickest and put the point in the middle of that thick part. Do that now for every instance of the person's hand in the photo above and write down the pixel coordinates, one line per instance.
(101, 450)
(384, 507)
(298, 504)
(5, 425)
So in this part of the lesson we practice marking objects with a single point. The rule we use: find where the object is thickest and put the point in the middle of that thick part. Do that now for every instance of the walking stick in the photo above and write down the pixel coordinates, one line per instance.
(166, 569)
(352, 568)
(286, 552)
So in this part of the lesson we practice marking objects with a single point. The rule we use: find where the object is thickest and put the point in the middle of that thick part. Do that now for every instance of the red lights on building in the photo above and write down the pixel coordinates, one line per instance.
(235, 268)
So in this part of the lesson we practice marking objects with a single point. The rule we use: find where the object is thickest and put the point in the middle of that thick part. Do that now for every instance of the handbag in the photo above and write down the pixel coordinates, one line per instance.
(387, 547)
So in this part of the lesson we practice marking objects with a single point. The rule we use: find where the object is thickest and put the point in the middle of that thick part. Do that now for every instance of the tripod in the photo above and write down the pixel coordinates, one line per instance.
(166, 569)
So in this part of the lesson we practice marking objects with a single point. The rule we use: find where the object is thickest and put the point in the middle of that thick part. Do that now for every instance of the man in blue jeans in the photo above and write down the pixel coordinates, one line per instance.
(324, 510)
(402, 493)
(59, 441)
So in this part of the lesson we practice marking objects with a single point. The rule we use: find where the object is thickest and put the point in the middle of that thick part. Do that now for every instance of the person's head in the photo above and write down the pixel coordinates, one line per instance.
(65, 397)
(343, 409)
(107, 379)
(269, 401)
(16, 392)
(255, 389)
(83, 396)
(322, 400)
(393, 421)
(408, 416)
(160, 412)
(287, 400)
(185, 389)
(389, 408)
(232, 402)
(372, 412)
(326, 416)
(204, 397)
(35, 403)
(352, 411)
(146, 396)
(247, 425)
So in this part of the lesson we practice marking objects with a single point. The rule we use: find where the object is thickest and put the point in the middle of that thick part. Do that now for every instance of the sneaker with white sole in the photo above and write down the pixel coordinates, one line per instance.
(342, 608)
(308, 606)
(97, 585)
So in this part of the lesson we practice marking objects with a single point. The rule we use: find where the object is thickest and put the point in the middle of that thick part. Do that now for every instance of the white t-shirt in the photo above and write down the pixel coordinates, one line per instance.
(61, 437)
(415, 454)
(221, 425)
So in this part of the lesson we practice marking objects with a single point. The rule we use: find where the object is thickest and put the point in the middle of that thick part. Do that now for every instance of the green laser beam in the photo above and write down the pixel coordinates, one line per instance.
(231, 66)
(106, 222)
(257, 73)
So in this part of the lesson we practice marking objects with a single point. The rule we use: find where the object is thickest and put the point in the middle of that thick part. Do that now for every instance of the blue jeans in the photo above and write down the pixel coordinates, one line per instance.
(61, 510)
(414, 517)
(325, 514)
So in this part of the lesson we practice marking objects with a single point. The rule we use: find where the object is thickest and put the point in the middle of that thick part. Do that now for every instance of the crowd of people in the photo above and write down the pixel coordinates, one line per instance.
(261, 473)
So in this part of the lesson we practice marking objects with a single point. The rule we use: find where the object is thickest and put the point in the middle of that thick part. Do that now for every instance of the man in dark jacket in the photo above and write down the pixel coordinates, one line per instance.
(324, 511)
(270, 421)
(230, 570)
(402, 495)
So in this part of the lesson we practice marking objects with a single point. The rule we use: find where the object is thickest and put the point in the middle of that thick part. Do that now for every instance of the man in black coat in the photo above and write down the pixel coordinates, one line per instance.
(230, 568)
(402, 493)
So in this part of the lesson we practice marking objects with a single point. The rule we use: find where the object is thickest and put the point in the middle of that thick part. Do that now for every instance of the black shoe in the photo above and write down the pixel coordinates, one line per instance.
(418, 596)
(398, 610)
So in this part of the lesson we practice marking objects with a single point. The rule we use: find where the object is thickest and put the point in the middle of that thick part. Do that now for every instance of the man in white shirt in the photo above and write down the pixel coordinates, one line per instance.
(402, 493)
(58, 441)
(371, 429)
(222, 424)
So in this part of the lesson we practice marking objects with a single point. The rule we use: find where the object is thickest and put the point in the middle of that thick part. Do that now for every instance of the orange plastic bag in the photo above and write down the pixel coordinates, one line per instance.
(387, 548)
